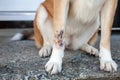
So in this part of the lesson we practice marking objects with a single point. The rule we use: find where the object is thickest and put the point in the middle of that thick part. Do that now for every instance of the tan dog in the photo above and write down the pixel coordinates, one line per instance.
(74, 24)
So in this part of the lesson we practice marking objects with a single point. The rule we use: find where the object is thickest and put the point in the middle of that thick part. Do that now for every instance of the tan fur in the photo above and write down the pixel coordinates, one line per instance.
(73, 24)
(108, 13)
(93, 39)
(37, 34)
(48, 4)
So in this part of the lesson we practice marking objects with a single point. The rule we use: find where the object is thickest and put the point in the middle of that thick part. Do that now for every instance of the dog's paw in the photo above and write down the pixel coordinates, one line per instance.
(106, 61)
(108, 65)
(89, 49)
(53, 67)
(45, 51)
(93, 51)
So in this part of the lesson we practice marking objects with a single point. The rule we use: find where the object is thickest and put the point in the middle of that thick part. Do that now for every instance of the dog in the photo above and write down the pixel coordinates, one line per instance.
(74, 24)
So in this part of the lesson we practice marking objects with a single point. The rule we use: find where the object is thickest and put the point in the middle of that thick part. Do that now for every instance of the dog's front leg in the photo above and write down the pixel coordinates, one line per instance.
(54, 65)
(107, 16)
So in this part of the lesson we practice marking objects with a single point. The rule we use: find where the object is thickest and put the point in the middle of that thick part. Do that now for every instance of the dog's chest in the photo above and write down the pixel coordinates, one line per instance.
(85, 10)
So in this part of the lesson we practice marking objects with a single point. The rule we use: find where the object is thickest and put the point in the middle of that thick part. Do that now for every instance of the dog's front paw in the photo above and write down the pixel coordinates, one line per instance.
(109, 65)
(106, 61)
(45, 51)
(53, 67)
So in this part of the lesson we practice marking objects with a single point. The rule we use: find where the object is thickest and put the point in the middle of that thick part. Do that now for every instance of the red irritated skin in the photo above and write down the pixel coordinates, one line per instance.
(59, 39)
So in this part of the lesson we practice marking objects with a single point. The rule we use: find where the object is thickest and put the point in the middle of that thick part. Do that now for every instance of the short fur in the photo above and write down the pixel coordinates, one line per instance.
(74, 24)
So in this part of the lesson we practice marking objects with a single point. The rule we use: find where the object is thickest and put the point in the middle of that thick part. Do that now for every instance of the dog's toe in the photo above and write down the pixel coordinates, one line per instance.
(45, 51)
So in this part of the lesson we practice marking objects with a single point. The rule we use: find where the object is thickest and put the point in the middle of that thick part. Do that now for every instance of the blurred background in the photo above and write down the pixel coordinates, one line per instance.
(17, 13)
(16, 16)
(20, 14)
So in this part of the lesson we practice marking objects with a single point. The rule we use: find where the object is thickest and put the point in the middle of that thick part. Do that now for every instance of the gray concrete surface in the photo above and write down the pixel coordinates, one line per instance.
(19, 60)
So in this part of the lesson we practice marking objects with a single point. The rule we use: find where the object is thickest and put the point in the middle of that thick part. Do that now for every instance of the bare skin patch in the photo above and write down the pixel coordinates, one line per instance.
(59, 38)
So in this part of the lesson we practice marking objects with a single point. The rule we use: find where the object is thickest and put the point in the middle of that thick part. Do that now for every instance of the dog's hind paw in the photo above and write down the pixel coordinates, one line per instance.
(89, 49)
(45, 51)
(93, 51)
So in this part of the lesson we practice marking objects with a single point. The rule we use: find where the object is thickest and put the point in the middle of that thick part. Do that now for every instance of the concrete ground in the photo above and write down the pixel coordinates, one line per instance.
(19, 60)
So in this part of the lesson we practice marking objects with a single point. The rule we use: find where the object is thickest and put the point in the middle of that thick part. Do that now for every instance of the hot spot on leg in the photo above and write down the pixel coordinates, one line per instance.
(59, 38)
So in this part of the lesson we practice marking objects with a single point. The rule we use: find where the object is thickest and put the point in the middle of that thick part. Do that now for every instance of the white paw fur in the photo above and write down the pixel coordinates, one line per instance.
(106, 62)
(54, 65)
(45, 51)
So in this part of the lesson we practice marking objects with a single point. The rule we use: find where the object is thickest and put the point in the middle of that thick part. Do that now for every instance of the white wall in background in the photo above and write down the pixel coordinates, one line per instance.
(12, 10)
(19, 5)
